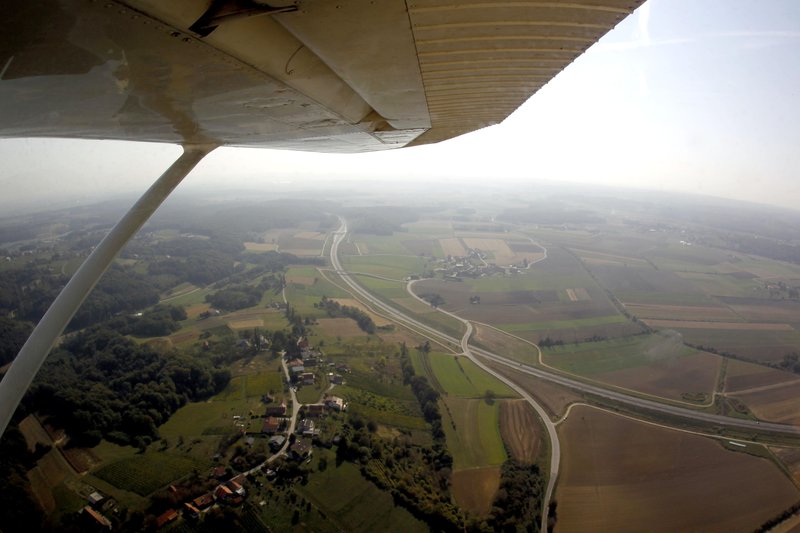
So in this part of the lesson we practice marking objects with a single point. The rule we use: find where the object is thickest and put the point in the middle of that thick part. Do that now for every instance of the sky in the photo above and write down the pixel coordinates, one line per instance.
(697, 96)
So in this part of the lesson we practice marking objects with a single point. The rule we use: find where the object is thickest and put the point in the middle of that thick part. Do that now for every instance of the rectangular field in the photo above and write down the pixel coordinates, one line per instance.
(462, 378)
(681, 312)
(452, 247)
(592, 358)
(691, 324)
(473, 432)
(646, 473)
(146, 473)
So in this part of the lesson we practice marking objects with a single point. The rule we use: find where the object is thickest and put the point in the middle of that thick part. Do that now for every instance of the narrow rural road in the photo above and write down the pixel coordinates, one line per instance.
(292, 422)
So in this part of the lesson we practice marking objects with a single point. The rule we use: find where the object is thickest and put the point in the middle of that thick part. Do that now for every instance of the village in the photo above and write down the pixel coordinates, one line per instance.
(291, 430)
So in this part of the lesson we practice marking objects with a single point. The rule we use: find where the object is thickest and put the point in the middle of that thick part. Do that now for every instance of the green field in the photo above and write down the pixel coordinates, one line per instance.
(751, 344)
(146, 473)
(354, 504)
(564, 324)
(256, 385)
(389, 266)
(473, 432)
(590, 358)
(385, 288)
(461, 377)
(383, 409)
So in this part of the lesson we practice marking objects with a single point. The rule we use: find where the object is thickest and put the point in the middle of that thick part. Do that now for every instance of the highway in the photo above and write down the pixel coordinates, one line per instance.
(638, 404)
(555, 447)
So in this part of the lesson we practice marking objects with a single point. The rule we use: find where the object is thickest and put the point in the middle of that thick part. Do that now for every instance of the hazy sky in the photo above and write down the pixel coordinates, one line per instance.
(686, 95)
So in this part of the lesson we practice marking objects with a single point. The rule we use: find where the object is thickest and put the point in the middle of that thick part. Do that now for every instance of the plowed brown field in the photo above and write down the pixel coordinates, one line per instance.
(519, 429)
(622, 475)
(474, 489)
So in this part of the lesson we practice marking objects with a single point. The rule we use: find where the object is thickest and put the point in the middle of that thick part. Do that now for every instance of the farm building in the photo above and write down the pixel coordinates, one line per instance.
(306, 428)
(167, 517)
(276, 410)
(315, 409)
(276, 442)
(94, 521)
(335, 403)
(300, 450)
(191, 510)
(204, 501)
(95, 499)
(271, 425)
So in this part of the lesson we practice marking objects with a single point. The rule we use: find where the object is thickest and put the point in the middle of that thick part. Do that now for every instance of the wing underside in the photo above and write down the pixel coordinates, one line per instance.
(314, 75)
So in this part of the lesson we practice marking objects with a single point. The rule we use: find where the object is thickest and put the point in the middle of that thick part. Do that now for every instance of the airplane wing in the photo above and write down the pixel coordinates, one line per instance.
(317, 75)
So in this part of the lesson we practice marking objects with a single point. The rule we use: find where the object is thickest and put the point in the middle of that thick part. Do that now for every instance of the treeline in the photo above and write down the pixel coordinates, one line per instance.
(13, 335)
(548, 213)
(239, 296)
(249, 218)
(383, 220)
(428, 402)
(159, 321)
(518, 503)
(99, 384)
(335, 309)
(27, 293)
(790, 363)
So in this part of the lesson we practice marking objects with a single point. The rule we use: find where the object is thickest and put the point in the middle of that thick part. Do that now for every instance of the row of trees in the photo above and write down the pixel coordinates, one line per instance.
(335, 309)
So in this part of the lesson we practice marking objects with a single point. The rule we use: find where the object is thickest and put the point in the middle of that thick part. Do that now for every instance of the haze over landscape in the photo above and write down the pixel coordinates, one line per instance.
(684, 96)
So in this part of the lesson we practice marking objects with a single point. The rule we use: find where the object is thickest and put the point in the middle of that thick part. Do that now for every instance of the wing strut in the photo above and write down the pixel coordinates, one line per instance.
(34, 352)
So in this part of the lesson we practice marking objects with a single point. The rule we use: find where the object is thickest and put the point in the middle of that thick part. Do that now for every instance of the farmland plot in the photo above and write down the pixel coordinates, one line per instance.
(619, 474)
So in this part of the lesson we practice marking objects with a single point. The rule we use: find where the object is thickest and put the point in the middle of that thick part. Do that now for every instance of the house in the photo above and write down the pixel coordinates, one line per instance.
(94, 521)
(219, 472)
(307, 378)
(302, 343)
(294, 362)
(300, 450)
(276, 410)
(191, 510)
(167, 517)
(342, 368)
(276, 442)
(222, 493)
(310, 362)
(296, 370)
(204, 501)
(236, 488)
(335, 403)
(95, 499)
(315, 410)
(271, 425)
(336, 379)
(306, 428)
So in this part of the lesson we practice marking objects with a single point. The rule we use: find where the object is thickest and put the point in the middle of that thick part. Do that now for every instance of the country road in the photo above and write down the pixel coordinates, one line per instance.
(641, 405)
